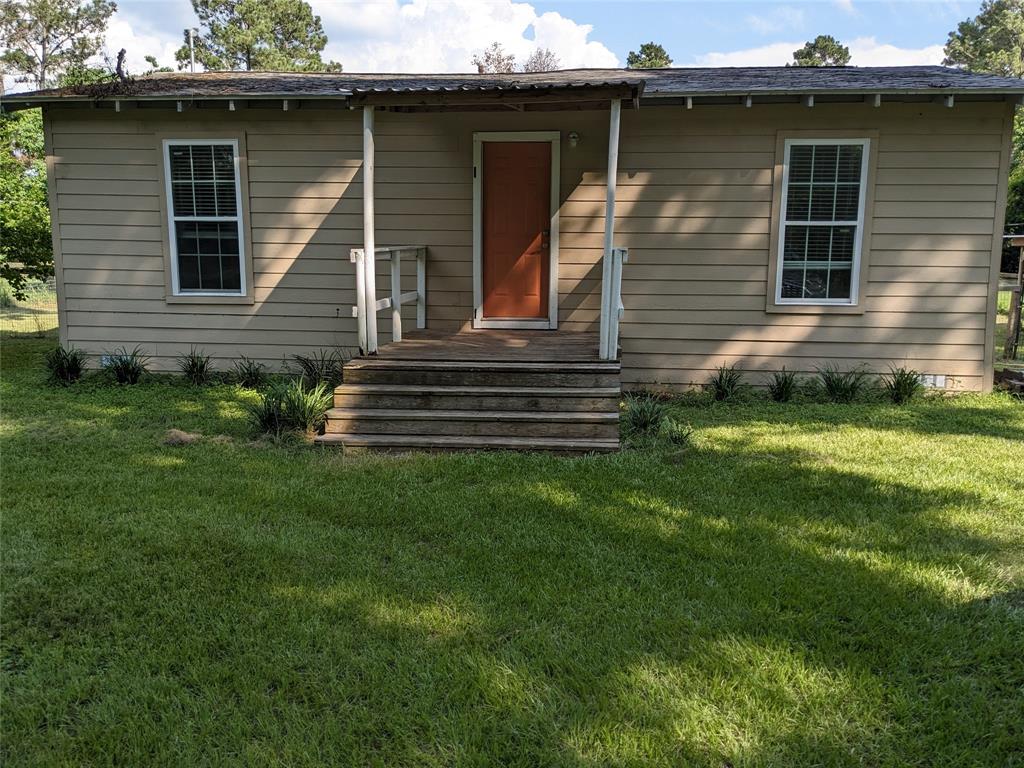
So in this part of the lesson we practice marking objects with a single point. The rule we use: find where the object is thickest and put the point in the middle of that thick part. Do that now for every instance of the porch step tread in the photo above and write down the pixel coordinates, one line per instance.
(440, 389)
(362, 363)
(401, 414)
(472, 442)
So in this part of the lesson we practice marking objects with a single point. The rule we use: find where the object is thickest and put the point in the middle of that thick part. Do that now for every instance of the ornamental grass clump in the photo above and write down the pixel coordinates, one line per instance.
(643, 415)
(248, 373)
(291, 406)
(322, 367)
(196, 367)
(65, 366)
(902, 385)
(726, 383)
(782, 386)
(841, 386)
(124, 366)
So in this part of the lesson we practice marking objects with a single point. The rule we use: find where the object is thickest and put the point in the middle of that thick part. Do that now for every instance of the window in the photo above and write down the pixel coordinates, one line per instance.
(204, 217)
(822, 220)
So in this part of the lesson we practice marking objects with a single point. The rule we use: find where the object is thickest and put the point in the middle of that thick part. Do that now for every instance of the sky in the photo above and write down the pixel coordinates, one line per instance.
(443, 35)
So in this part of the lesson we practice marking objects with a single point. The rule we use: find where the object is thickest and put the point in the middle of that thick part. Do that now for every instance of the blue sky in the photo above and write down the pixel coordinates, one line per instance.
(442, 35)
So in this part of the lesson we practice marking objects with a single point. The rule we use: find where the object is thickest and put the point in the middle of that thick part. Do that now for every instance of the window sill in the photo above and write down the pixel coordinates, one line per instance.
(814, 309)
(201, 299)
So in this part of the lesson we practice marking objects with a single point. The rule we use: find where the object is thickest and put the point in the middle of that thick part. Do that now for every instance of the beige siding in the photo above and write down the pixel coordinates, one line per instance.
(695, 207)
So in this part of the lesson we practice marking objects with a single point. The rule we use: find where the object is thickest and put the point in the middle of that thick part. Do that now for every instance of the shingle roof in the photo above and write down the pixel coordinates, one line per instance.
(681, 81)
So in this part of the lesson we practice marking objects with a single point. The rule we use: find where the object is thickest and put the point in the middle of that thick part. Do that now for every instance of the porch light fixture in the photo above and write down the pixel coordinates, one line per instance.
(574, 139)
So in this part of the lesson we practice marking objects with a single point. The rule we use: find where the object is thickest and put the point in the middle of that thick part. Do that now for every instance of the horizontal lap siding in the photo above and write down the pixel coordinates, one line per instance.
(694, 208)
(696, 221)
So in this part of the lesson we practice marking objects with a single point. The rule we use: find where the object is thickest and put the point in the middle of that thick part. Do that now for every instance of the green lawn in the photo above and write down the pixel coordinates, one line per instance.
(806, 585)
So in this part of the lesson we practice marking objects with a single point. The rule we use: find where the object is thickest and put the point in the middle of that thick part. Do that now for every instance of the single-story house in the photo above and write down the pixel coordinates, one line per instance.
(644, 226)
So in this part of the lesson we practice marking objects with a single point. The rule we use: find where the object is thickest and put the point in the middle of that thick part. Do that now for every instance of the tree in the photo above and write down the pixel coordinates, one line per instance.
(993, 42)
(276, 35)
(495, 61)
(26, 246)
(650, 56)
(541, 60)
(43, 39)
(822, 51)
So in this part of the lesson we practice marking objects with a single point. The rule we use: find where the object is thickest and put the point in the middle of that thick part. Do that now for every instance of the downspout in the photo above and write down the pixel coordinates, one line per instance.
(369, 245)
(606, 343)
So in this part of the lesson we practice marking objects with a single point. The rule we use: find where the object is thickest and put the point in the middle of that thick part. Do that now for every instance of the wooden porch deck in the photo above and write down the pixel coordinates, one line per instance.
(477, 390)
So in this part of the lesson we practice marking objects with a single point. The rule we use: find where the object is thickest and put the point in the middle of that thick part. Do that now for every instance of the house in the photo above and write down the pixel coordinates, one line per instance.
(508, 250)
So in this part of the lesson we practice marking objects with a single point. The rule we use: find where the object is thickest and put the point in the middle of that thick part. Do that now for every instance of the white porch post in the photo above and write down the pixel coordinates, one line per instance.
(606, 342)
(369, 246)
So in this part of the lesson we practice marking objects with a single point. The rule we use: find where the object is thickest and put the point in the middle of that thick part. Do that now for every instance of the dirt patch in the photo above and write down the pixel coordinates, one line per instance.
(178, 437)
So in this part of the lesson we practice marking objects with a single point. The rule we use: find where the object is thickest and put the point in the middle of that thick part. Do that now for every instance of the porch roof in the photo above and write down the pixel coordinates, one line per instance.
(356, 89)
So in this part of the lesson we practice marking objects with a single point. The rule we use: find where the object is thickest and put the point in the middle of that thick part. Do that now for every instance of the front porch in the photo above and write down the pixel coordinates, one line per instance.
(480, 389)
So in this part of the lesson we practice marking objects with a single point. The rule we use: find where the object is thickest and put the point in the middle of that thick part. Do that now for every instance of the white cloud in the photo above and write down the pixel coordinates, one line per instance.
(780, 19)
(846, 6)
(139, 40)
(864, 52)
(443, 35)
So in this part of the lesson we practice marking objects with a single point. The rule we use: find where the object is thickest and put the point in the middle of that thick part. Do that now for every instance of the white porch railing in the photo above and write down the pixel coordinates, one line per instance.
(394, 302)
(612, 308)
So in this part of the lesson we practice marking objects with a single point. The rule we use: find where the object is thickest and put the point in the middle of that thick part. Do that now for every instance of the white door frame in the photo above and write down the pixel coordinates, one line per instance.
(479, 321)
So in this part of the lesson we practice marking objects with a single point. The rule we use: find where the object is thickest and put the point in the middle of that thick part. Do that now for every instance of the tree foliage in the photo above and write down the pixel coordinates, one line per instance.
(494, 60)
(822, 51)
(26, 247)
(993, 42)
(541, 60)
(43, 39)
(271, 35)
(650, 56)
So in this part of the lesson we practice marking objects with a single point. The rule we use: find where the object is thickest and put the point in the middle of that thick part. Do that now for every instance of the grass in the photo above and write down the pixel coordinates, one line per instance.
(36, 316)
(803, 585)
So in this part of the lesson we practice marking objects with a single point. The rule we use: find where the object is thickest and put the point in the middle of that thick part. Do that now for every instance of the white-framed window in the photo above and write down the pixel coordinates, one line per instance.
(824, 184)
(204, 217)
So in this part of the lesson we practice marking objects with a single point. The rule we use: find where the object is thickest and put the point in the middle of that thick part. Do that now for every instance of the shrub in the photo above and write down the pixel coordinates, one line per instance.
(841, 386)
(248, 373)
(726, 383)
(290, 406)
(6, 295)
(196, 367)
(782, 386)
(675, 433)
(322, 367)
(644, 415)
(126, 367)
(65, 366)
(902, 385)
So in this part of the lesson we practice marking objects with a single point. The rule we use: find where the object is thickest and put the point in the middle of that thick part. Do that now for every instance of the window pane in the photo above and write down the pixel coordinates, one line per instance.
(818, 243)
(816, 284)
(188, 273)
(202, 162)
(850, 157)
(181, 162)
(839, 282)
(206, 203)
(792, 283)
(226, 199)
(800, 156)
(823, 200)
(181, 193)
(795, 248)
(224, 162)
(825, 162)
(842, 243)
(798, 202)
(847, 202)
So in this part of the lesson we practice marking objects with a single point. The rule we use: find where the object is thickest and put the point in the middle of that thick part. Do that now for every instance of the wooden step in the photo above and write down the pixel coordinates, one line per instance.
(471, 443)
(477, 398)
(569, 424)
(481, 373)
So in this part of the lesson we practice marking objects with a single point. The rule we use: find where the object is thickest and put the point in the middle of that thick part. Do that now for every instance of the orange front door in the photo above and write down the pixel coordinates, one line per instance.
(516, 224)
